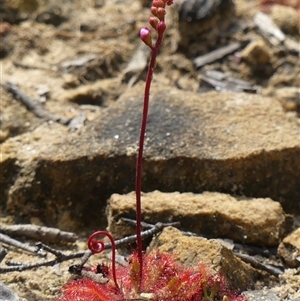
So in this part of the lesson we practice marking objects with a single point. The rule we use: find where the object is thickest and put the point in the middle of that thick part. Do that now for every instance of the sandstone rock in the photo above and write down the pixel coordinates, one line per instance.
(289, 97)
(192, 251)
(289, 249)
(229, 142)
(254, 221)
(256, 53)
(286, 18)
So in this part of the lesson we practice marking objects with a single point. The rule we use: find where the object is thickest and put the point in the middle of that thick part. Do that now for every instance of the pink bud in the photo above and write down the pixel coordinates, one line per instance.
(160, 13)
(145, 36)
(153, 10)
(161, 27)
(169, 2)
(158, 3)
(153, 22)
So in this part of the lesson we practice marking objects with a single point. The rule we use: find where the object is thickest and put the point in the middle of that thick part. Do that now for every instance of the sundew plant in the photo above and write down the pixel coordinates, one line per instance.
(156, 276)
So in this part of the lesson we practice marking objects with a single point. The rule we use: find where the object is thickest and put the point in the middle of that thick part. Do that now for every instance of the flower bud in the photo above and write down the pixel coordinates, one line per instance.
(153, 21)
(145, 36)
(169, 2)
(158, 3)
(160, 13)
(161, 27)
(154, 11)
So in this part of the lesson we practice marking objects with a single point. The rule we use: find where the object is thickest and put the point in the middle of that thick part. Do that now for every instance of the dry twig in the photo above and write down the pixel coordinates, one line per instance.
(33, 105)
(273, 270)
(15, 243)
(216, 54)
(270, 31)
(38, 232)
(3, 253)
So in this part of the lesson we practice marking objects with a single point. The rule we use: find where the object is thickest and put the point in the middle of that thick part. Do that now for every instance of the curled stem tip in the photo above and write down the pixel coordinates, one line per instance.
(98, 246)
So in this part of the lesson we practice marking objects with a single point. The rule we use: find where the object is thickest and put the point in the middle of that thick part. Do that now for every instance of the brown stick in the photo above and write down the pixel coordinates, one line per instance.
(216, 54)
(269, 29)
(3, 253)
(15, 243)
(39, 233)
(275, 271)
(33, 105)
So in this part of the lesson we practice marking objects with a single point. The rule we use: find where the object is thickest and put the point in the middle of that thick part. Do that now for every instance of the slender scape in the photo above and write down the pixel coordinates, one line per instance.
(145, 35)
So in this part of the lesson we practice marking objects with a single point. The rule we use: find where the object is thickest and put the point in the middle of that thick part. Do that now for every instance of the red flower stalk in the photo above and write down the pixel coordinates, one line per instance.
(154, 277)
(158, 23)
